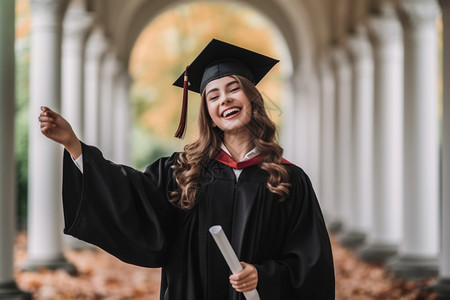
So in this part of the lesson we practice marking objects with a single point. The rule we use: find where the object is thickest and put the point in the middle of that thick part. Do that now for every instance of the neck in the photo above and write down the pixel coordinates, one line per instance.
(238, 144)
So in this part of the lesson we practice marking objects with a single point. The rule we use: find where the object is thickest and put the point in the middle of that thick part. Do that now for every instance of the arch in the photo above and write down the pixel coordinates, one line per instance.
(293, 24)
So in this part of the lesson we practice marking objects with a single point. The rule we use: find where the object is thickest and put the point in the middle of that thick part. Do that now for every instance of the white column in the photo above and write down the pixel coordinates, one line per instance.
(343, 134)
(76, 22)
(122, 122)
(295, 108)
(300, 124)
(388, 128)
(45, 156)
(443, 286)
(361, 139)
(313, 128)
(288, 132)
(107, 98)
(328, 145)
(8, 287)
(306, 118)
(95, 47)
(419, 248)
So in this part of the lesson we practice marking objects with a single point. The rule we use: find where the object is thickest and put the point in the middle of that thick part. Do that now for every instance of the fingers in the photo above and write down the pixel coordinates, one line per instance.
(47, 116)
(46, 128)
(56, 128)
(245, 287)
(46, 119)
(45, 111)
(246, 280)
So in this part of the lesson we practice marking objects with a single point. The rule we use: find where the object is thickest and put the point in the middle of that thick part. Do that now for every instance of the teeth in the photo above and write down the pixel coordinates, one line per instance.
(230, 111)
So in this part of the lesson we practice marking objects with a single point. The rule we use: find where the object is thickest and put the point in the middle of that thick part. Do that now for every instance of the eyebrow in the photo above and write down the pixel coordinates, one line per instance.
(227, 85)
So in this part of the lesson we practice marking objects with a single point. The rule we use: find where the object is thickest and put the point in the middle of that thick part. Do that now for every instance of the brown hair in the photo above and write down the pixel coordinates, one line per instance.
(191, 161)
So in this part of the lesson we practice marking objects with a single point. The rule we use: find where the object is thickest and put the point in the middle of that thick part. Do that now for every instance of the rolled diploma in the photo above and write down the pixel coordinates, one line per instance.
(230, 256)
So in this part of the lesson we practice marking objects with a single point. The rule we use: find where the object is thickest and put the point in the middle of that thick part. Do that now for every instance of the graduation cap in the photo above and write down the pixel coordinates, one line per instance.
(219, 59)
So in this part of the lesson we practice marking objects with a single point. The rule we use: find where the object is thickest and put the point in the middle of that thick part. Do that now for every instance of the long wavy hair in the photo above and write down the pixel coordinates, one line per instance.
(189, 169)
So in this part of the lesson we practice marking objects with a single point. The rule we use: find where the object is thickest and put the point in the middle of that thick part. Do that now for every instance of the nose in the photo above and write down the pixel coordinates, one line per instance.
(225, 100)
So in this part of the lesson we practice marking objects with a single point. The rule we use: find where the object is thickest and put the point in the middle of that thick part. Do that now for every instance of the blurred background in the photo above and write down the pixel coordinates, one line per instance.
(358, 98)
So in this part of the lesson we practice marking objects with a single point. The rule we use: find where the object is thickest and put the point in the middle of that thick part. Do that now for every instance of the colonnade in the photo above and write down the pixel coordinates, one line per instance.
(381, 162)
(67, 74)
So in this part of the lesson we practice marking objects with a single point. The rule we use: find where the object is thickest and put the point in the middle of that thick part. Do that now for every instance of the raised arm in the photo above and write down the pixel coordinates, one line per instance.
(56, 128)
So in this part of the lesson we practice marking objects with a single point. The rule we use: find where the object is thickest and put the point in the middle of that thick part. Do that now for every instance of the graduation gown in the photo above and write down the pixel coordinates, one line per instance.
(127, 213)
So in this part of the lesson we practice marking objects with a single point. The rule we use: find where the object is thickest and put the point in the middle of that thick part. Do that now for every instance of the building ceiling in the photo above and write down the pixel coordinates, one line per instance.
(308, 27)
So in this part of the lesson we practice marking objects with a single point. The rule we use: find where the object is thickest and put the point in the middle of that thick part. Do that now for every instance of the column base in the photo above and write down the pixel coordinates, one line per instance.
(413, 267)
(442, 288)
(377, 252)
(351, 239)
(34, 265)
(10, 291)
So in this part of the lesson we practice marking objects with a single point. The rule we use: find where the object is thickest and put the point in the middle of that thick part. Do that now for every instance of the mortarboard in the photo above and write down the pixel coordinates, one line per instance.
(219, 59)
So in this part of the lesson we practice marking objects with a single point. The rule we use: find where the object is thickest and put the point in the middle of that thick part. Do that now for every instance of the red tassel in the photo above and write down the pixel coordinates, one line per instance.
(182, 125)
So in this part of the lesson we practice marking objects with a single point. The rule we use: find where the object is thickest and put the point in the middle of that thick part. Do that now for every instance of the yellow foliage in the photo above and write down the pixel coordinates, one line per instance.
(22, 15)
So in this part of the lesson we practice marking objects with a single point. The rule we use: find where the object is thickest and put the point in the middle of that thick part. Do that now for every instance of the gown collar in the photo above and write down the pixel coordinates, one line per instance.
(250, 159)
(226, 159)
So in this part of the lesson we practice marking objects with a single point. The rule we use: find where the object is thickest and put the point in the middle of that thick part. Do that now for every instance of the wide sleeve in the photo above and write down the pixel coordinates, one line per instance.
(123, 211)
(304, 269)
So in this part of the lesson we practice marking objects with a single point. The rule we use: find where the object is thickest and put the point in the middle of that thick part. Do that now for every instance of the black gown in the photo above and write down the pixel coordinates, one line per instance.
(127, 213)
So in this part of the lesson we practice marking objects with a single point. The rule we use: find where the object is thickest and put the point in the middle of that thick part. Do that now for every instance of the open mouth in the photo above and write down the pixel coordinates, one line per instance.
(231, 112)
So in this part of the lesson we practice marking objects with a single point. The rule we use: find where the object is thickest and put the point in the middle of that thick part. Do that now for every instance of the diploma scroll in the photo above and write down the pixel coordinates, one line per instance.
(230, 256)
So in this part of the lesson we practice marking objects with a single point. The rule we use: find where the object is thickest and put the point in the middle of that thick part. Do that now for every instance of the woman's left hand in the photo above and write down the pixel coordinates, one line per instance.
(246, 280)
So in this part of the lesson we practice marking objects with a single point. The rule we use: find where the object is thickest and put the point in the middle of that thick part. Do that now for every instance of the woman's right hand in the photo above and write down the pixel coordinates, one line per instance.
(56, 128)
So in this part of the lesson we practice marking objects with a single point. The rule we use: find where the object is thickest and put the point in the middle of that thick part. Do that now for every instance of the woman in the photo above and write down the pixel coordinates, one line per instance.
(233, 176)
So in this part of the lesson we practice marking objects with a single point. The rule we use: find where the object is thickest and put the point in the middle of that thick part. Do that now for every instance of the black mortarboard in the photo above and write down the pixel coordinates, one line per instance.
(219, 59)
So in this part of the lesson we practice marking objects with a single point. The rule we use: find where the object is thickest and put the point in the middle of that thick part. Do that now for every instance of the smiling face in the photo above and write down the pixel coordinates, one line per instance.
(228, 105)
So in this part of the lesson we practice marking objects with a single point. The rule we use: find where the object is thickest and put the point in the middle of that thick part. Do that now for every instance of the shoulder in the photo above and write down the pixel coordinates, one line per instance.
(298, 177)
(294, 170)
(163, 164)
